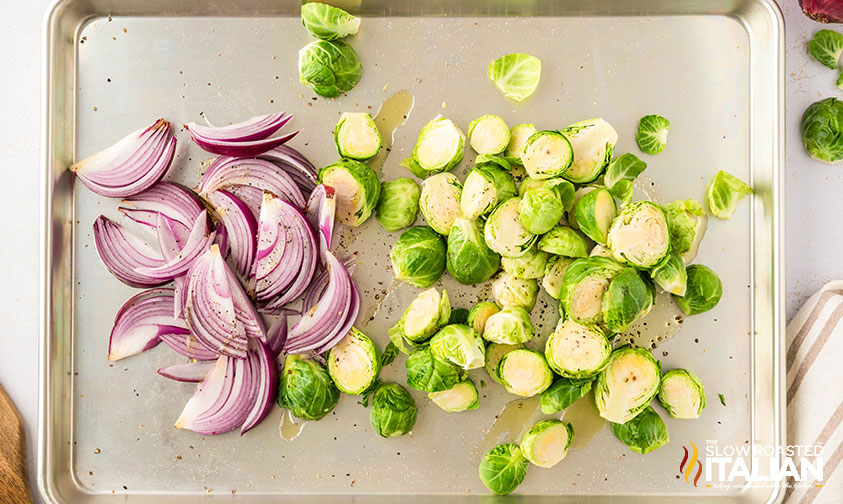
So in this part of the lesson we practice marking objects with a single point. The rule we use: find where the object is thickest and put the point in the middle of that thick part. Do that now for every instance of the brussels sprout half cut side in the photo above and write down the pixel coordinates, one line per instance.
(547, 442)
(595, 213)
(593, 142)
(503, 468)
(439, 148)
(488, 134)
(530, 266)
(494, 354)
(524, 372)
(479, 315)
(356, 187)
(510, 326)
(485, 187)
(470, 260)
(564, 241)
(394, 411)
(440, 201)
(357, 136)
(576, 350)
(398, 206)
(682, 394)
(354, 363)
(461, 397)
(429, 311)
(459, 344)
(670, 274)
(554, 272)
(547, 154)
(418, 256)
(518, 136)
(504, 233)
(306, 389)
(584, 285)
(639, 235)
(509, 290)
(627, 384)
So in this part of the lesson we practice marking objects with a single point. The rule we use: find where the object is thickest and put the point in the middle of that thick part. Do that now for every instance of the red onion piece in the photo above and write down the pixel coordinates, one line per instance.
(168, 243)
(286, 255)
(178, 264)
(267, 380)
(247, 138)
(185, 344)
(295, 164)
(191, 372)
(276, 335)
(251, 175)
(320, 282)
(122, 254)
(172, 200)
(320, 211)
(823, 11)
(140, 323)
(130, 166)
(241, 230)
(353, 311)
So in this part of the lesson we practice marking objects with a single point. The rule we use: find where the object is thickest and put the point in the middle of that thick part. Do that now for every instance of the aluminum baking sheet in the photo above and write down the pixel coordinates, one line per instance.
(713, 67)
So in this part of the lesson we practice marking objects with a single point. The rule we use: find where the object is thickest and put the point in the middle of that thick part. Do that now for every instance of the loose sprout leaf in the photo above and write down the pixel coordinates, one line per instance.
(722, 398)
(644, 433)
(484, 159)
(390, 352)
(725, 192)
(840, 79)
(563, 393)
(517, 75)
(822, 130)
(624, 167)
(652, 134)
(458, 316)
(328, 22)
(503, 468)
(826, 47)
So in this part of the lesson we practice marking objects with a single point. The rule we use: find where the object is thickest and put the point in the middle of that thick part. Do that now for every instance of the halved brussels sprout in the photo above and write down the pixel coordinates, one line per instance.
(439, 148)
(518, 136)
(682, 394)
(724, 193)
(470, 260)
(593, 142)
(639, 235)
(356, 187)
(524, 372)
(510, 326)
(440, 201)
(542, 207)
(547, 154)
(644, 433)
(459, 316)
(627, 384)
(600, 251)
(329, 67)
(306, 389)
(418, 256)
(530, 183)
(461, 397)
(425, 315)
(583, 286)
(529, 265)
(670, 274)
(493, 160)
(578, 195)
(547, 442)
(509, 290)
(398, 206)
(488, 134)
(429, 374)
(485, 187)
(564, 241)
(494, 354)
(822, 125)
(357, 136)
(703, 291)
(479, 315)
(652, 134)
(504, 233)
(354, 363)
(628, 298)
(516, 75)
(394, 411)
(563, 393)
(459, 344)
(595, 213)
(503, 468)
(328, 22)
(685, 220)
(625, 167)
(554, 271)
(576, 350)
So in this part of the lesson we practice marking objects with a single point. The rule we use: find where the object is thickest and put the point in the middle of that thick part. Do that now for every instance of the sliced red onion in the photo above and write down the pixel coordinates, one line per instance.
(267, 379)
(247, 138)
(295, 164)
(320, 211)
(286, 255)
(177, 265)
(141, 322)
(823, 11)
(130, 166)
(123, 253)
(241, 230)
(234, 174)
(185, 344)
(172, 200)
(353, 311)
(276, 335)
(320, 283)
(191, 372)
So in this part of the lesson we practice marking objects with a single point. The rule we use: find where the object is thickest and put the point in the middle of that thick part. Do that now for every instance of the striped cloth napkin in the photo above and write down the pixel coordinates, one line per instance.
(814, 387)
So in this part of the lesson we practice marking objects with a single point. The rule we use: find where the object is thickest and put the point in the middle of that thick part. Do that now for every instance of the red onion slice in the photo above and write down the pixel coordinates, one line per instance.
(191, 372)
(130, 166)
(823, 11)
(295, 164)
(276, 335)
(122, 254)
(185, 344)
(241, 230)
(267, 379)
(248, 138)
(172, 200)
(320, 211)
(320, 282)
(140, 323)
(227, 173)
(178, 264)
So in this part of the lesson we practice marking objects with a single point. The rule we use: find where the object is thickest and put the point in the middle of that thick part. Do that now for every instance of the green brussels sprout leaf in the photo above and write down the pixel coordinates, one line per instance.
(428, 374)
(724, 193)
(328, 22)
(826, 47)
(503, 468)
(652, 134)
(703, 290)
(517, 75)
(563, 393)
(644, 433)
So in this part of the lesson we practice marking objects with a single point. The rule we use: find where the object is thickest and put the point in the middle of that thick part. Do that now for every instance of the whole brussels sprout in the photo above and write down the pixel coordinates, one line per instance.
(494, 354)
(724, 193)
(509, 290)
(440, 201)
(354, 363)
(703, 290)
(422, 319)
(595, 213)
(627, 384)
(488, 134)
(504, 232)
(682, 394)
(584, 285)
(518, 136)
(461, 397)
(306, 389)
(593, 142)
(639, 235)
(547, 154)
(670, 274)
(418, 256)
(479, 315)
(524, 372)
(357, 190)
(460, 345)
(577, 350)
(398, 206)
(485, 187)
(503, 468)
(329, 67)
(429, 374)
(644, 433)
(547, 442)
(628, 298)
(510, 326)
(822, 130)
(394, 411)
(328, 22)
(564, 241)
(542, 207)
(357, 136)
(530, 265)
(439, 148)
(469, 259)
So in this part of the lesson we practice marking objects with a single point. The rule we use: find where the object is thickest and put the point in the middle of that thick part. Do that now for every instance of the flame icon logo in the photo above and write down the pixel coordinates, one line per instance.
(688, 465)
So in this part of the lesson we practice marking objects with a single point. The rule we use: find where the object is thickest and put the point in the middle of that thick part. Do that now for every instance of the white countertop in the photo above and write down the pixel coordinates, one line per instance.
(814, 193)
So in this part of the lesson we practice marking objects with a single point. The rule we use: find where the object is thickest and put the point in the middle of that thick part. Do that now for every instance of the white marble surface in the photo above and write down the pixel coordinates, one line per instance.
(814, 202)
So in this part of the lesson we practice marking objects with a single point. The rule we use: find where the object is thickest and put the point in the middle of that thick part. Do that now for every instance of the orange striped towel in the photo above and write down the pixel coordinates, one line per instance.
(814, 390)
